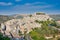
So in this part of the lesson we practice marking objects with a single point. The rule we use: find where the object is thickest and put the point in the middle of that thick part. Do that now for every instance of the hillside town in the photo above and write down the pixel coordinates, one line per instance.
(15, 27)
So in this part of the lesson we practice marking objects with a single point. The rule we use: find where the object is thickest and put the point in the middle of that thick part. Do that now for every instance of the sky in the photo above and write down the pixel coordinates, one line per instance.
(9, 7)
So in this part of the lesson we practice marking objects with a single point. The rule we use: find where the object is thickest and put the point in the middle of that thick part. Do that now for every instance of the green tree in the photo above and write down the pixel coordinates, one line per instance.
(30, 15)
(3, 38)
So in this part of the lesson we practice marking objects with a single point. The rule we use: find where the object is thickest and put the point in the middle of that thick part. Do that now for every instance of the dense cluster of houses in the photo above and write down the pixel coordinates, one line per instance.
(25, 24)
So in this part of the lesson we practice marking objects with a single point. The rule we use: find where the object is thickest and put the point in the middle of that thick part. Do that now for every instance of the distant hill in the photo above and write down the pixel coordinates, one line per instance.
(56, 17)
(4, 18)
(19, 16)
